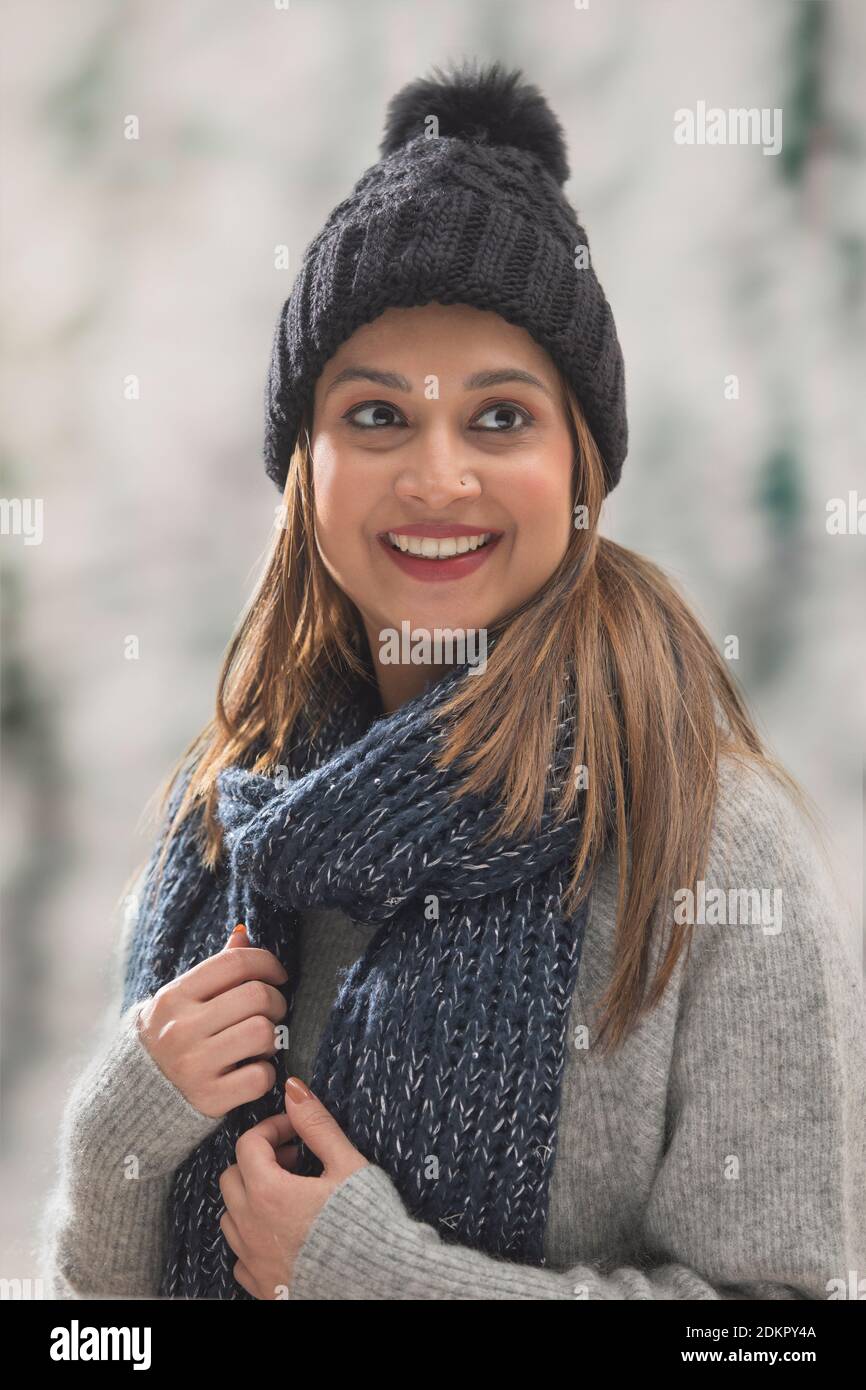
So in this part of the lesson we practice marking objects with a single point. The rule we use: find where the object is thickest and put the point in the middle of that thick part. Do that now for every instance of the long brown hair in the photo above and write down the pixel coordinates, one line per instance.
(654, 704)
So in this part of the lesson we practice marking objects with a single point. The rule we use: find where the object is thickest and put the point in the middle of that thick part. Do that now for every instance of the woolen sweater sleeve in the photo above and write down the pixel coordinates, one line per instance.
(761, 1191)
(125, 1129)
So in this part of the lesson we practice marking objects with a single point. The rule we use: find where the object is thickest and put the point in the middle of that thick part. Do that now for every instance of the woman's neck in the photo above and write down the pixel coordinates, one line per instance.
(399, 682)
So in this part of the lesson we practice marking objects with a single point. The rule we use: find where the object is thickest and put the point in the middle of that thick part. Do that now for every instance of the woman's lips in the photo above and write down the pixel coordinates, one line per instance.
(438, 571)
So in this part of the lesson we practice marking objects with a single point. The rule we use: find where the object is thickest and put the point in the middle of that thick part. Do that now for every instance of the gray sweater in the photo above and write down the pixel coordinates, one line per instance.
(720, 1154)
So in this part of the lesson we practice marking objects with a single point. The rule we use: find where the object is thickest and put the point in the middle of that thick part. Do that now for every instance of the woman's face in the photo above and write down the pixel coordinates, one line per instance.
(440, 424)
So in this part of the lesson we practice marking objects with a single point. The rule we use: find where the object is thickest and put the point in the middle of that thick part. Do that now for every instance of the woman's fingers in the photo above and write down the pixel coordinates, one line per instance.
(230, 1230)
(252, 1037)
(229, 967)
(258, 1147)
(240, 1085)
(211, 1031)
(247, 1000)
(287, 1156)
(277, 1129)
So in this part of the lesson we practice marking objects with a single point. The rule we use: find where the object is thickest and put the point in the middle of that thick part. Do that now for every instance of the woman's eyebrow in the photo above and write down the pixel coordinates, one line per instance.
(502, 375)
(396, 382)
(391, 379)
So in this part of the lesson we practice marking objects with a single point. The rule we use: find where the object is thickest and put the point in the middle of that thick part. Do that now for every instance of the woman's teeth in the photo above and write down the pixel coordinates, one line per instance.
(438, 549)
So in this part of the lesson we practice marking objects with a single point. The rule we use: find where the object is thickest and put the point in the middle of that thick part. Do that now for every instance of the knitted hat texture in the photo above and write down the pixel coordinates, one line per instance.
(466, 205)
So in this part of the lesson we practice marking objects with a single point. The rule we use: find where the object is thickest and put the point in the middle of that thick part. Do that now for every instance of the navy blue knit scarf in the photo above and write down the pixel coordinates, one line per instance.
(443, 1054)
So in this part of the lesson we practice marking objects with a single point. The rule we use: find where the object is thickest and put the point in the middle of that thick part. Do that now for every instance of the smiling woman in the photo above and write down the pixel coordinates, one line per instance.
(440, 455)
(532, 1075)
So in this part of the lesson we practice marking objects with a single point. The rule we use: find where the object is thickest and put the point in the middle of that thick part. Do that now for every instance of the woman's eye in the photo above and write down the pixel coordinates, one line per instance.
(507, 419)
(377, 412)
(502, 418)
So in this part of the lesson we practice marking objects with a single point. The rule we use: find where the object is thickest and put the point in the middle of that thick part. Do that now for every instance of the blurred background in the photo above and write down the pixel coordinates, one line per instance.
(158, 257)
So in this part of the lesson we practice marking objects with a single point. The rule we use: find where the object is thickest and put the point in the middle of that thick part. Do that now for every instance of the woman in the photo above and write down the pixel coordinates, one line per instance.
(522, 894)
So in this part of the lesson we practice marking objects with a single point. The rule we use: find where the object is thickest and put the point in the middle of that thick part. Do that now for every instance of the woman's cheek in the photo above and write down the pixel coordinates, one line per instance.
(542, 483)
(328, 487)
(541, 505)
(337, 497)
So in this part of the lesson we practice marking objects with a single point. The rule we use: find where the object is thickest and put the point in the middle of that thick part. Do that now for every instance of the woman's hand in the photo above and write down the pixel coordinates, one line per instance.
(221, 1012)
(270, 1210)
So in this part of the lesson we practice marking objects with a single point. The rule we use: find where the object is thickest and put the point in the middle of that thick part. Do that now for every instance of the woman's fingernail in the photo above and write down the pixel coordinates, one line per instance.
(239, 936)
(296, 1090)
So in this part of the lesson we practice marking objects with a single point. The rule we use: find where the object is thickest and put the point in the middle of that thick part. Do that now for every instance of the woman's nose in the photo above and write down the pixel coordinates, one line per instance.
(437, 471)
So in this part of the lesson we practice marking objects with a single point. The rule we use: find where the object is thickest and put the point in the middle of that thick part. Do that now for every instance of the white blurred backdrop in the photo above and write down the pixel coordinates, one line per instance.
(156, 257)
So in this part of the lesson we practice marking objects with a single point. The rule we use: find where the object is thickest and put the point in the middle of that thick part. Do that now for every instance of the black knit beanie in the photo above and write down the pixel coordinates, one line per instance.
(465, 206)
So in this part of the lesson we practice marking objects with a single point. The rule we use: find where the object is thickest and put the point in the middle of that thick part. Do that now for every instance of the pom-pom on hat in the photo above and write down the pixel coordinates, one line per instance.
(465, 206)
(491, 106)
